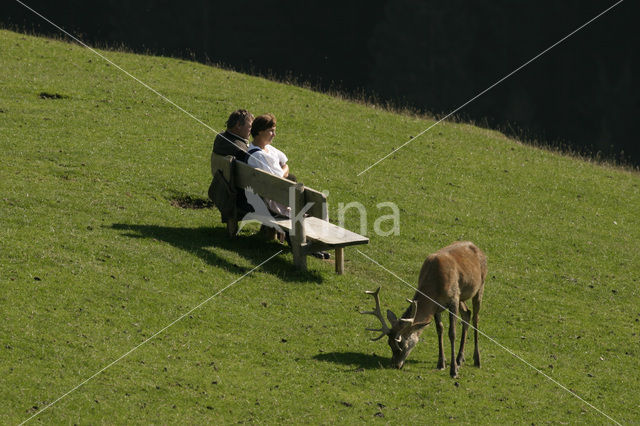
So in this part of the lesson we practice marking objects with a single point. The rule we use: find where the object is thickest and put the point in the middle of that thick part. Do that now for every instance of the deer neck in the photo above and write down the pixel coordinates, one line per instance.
(424, 314)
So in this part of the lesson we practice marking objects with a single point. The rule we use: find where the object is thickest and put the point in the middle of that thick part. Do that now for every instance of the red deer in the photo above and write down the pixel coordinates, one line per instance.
(448, 277)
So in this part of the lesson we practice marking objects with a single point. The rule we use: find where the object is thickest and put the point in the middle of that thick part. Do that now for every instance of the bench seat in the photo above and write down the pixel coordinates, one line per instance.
(323, 232)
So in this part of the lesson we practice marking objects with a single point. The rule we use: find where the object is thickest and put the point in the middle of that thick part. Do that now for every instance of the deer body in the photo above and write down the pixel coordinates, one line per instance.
(448, 277)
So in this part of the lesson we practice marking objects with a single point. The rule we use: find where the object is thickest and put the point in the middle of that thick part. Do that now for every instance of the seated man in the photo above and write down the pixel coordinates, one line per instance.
(234, 141)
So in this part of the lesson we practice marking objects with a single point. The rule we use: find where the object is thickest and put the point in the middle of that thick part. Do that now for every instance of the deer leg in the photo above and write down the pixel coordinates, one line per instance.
(477, 301)
(442, 363)
(453, 315)
(465, 313)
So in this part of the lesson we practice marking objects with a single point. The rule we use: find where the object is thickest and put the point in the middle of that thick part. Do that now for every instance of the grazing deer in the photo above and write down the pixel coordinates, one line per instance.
(448, 277)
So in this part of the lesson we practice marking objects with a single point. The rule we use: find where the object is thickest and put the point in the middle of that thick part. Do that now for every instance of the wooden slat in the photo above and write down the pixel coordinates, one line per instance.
(270, 186)
(263, 183)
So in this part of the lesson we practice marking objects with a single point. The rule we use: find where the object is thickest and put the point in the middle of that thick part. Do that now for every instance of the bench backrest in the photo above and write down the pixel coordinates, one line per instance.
(267, 185)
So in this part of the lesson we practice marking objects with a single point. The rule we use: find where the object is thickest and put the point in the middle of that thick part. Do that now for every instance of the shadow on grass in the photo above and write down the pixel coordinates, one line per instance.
(355, 359)
(199, 242)
(358, 360)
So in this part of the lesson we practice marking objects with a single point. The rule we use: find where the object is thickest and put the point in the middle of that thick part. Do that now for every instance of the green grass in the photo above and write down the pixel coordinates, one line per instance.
(95, 258)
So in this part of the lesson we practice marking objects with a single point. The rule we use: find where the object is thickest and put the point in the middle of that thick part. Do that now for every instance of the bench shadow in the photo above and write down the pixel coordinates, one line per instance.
(200, 241)
(358, 360)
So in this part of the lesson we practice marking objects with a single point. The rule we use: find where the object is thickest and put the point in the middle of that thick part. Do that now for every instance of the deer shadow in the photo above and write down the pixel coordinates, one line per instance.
(357, 360)
(200, 241)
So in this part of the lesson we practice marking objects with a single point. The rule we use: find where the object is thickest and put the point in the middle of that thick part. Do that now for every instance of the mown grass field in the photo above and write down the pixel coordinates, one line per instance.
(96, 257)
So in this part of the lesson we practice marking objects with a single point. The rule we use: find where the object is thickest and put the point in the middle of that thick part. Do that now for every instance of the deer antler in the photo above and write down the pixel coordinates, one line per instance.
(384, 329)
(408, 322)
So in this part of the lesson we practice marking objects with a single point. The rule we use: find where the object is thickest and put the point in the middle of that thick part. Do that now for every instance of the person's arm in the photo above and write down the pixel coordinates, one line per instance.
(282, 159)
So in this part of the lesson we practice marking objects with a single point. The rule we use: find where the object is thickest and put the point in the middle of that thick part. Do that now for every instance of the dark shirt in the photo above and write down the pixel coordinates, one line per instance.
(229, 144)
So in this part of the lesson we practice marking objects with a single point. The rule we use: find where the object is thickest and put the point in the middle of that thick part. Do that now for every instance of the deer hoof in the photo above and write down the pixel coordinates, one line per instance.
(460, 359)
(454, 373)
(441, 365)
(476, 361)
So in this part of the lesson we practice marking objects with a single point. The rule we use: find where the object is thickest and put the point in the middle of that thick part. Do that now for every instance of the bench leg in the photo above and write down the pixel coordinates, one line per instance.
(339, 260)
(299, 257)
(298, 236)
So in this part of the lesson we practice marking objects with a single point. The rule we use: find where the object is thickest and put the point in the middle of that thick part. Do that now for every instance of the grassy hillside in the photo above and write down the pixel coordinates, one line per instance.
(96, 256)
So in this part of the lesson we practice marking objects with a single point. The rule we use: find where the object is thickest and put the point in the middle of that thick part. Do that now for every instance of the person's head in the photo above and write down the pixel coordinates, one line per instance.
(263, 129)
(239, 123)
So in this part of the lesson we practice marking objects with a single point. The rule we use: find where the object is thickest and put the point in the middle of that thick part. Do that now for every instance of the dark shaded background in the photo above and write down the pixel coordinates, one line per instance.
(432, 56)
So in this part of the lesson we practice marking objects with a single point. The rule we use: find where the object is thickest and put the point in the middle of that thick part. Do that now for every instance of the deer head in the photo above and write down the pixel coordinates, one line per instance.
(402, 336)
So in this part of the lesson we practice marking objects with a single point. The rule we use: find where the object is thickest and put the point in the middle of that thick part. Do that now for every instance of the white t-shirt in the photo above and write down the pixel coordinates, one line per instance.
(270, 159)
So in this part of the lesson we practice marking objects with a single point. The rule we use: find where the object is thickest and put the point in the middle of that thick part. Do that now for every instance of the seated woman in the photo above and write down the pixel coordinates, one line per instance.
(263, 155)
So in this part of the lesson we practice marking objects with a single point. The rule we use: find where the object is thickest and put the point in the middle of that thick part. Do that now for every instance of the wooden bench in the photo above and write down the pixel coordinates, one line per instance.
(310, 232)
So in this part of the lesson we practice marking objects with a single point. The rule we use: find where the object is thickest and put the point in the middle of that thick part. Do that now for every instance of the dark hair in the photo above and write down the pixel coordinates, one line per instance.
(262, 122)
(238, 117)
